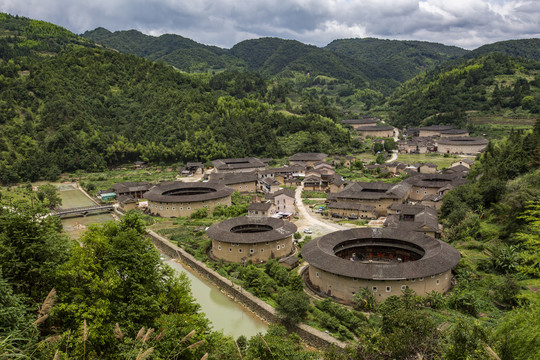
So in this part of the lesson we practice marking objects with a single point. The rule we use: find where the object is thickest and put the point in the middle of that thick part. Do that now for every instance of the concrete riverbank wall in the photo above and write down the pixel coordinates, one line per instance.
(311, 336)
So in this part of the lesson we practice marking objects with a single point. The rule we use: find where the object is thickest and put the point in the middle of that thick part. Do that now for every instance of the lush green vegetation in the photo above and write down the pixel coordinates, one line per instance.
(175, 50)
(525, 48)
(88, 108)
(491, 84)
(402, 59)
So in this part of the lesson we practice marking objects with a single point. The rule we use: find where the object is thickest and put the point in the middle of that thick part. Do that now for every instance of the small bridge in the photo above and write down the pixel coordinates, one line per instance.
(83, 211)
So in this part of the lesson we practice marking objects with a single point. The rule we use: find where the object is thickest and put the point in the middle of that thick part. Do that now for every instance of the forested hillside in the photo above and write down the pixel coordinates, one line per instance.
(87, 108)
(491, 84)
(180, 52)
(275, 56)
(403, 60)
(526, 48)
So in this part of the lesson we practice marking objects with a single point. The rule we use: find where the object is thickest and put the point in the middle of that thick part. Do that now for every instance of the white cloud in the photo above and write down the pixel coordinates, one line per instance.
(467, 23)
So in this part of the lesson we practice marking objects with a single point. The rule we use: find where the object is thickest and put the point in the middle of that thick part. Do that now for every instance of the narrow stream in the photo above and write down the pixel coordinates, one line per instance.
(225, 314)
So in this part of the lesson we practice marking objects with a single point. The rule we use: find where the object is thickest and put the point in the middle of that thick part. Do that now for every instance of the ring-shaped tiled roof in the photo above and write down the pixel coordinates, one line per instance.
(180, 192)
(438, 256)
(276, 229)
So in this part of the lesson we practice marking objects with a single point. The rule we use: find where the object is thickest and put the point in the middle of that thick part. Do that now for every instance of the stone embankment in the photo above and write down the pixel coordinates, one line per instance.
(311, 336)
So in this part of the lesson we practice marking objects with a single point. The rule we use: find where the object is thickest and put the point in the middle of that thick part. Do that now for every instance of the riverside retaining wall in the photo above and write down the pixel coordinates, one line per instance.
(311, 336)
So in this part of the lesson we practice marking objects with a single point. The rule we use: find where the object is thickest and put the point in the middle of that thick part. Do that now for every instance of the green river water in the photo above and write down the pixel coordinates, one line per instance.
(225, 314)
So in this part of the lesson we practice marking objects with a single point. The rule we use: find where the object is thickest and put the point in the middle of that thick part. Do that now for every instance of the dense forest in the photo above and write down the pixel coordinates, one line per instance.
(491, 83)
(88, 108)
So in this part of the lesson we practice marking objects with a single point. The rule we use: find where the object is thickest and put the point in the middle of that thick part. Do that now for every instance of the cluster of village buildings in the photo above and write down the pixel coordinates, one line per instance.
(435, 138)
(405, 252)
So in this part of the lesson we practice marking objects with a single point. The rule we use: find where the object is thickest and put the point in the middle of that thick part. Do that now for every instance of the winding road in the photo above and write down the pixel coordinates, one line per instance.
(309, 219)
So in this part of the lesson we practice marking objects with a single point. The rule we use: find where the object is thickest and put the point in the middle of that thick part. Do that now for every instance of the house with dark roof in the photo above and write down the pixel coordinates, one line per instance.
(378, 195)
(461, 145)
(283, 201)
(307, 159)
(358, 123)
(245, 183)
(434, 130)
(259, 209)
(376, 131)
(134, 189)
(467, 162)
(249, 164)
(432, 184)
(427, 168)
(179, 199)
(418, 218)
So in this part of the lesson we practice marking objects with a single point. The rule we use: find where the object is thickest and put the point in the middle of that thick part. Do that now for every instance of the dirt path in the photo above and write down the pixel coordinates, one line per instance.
(307, 220)
(394, 152)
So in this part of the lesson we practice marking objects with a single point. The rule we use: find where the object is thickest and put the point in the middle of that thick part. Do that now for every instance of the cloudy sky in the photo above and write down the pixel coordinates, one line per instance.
(465, 23)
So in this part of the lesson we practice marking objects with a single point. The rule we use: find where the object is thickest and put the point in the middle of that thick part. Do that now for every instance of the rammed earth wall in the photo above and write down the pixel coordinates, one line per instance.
(311, 336)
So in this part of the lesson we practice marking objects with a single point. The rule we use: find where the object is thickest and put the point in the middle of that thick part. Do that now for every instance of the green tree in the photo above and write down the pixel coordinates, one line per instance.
(31, 250)
(49, 192)
(292, 306)
(116, 276)
(365, 300)
(277, 344)
(381, 159)
(518, 332)
(390, 144)
(467, 340)
(530, 240)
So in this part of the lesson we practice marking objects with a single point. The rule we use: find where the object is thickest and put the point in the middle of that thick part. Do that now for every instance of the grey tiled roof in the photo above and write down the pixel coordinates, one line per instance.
(179, 192)
(279, 229)
(438, 256)
(238, 163)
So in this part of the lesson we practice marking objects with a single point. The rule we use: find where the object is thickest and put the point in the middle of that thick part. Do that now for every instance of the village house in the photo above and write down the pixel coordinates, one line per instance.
(268, 185)
(179, 199)
(249, 164)
(244, 183)
(259, 209)
(380, 195)
(352, 210)
(434, 130)
(418, 218)
(467, 162)
(283, 202)
(454, 133)
(358, 123)
(376, 131)
(195, 168)
(283, 173)
(461, 145)
(385, 261)
(427, 168)
(416, 145)
(432, 184)
(134, 189)
(307, 160)
(251, 238)
(127, 202)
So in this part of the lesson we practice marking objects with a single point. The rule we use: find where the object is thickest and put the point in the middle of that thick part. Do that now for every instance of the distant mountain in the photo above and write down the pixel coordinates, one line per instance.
(526, 48)
(178, 51)
(403, 60)
(274, 56)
